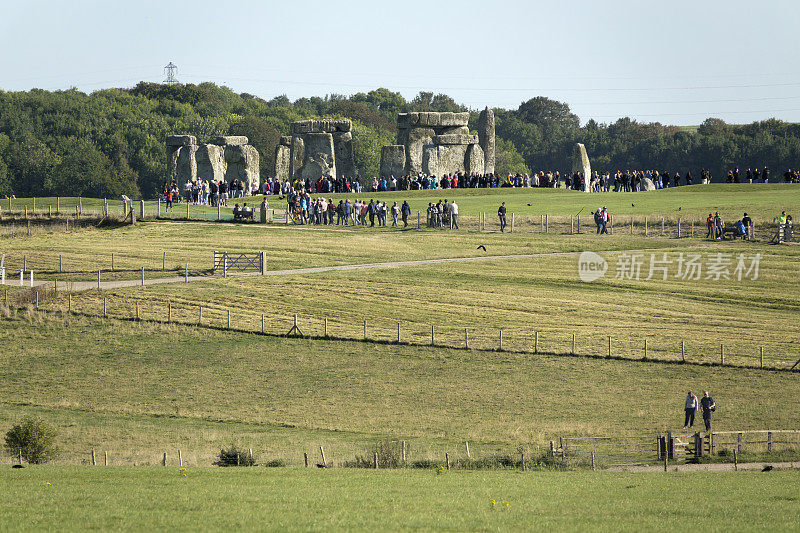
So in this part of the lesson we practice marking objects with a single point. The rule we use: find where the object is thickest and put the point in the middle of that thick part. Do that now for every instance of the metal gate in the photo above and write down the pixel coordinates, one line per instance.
(239, 262)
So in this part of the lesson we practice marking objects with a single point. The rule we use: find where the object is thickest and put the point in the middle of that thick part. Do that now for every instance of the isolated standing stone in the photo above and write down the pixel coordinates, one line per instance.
(283, 155)
(646, 184)
(486, 138)
(393, 160)
(580, 163)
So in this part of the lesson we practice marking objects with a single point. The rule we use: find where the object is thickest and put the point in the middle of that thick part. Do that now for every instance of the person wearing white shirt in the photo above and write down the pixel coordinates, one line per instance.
(453, 215)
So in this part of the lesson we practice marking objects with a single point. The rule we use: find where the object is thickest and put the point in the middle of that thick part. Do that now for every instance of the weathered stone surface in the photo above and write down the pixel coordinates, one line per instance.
(443, 159)
(297, 156)
(430, 159)
(243, 163)
(187, 165)
(486, 138)
(319, 160)
(285, 140)
(455, 139)
(453, 119)
(393, 160)
(211, 163)
(181, 140)
(417, 138)
(454, 130)
(283, 156)
(173, 152)
(321, 126)
(646, 184)
(343, 150)
(234, 140)
(474, 161)
(580, 163)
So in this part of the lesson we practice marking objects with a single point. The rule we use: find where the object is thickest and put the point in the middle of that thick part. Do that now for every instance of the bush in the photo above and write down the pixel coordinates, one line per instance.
(233, 456)
(34, 438)
(275, 463)
(390, 455)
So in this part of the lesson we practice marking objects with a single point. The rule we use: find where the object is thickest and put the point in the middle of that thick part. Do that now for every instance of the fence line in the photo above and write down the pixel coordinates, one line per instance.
(520, 341)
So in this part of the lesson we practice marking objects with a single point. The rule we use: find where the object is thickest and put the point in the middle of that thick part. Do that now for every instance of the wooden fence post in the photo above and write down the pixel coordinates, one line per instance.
(376, 460)
(433, 337)
(305, 459)
(573, 344)
(94, 463)
(546, 224)
(536, 342)
(679, 227)
(683, 353)
(631, 224)
(571, 225)
(322, 453)
(69, 302)
(325, 329)
(645, 226)
(417, 219)
(365, 329)
(466, 445)
(501, 339)
(200, 315)
(142, 276)
(219, 213)
(169, 312)
(186, 274)
(164, 261)
(769, 441)
(512, 223)
(187, 210)
(180, 458)
(645, 350)
(98, 280)
(735, 460)
(522, 460)
(229, 319)
(609, 346)
(404, 451)
(447, 459)
(137, 310)
(721, 354)
(105, 458)
(662, 225)
(466, 339)
(262, 324)
(60, 263)
(761, 357)
(164, 460)
(541, 221)
(104, 308)
(113, 268)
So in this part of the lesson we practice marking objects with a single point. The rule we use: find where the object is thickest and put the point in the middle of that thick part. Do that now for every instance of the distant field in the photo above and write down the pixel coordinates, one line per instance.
(45, 498)
(139, 389)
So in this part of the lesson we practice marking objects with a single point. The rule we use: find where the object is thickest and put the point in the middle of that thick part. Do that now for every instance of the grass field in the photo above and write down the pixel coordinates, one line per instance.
(46, 498)
(762, 201)
(137, 390)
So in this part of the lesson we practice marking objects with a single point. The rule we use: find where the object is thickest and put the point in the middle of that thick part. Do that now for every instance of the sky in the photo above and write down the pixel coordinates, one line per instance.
(674, 62)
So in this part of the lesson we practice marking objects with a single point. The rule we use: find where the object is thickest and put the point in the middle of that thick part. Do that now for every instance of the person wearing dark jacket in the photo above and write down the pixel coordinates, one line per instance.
(501, 213)
(405, 211)
(707, 406)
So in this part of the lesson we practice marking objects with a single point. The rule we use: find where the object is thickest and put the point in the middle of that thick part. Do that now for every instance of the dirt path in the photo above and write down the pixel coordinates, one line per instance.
(711, 467)
(76, 286)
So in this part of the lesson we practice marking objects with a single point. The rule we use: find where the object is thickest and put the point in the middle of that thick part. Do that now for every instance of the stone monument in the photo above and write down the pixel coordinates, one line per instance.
(225, 158)
(316, 149)
(580, 163)
(439, 143)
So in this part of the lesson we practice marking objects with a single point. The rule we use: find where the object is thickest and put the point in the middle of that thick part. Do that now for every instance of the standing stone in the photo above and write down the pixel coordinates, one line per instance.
(343, 150)
(474, 160)
(242, 163)
(283, 154)
(451, 158)
(580, 163)
(297, 156)
(393, 160)
(320, 159)
(646, 184)
(173, 153)
(210, 160)
(486, 138)
(430, 159)
(187, 165)
(417, 138)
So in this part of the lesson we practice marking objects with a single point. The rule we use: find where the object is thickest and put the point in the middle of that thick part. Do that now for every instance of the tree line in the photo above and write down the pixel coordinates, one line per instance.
(111, 142)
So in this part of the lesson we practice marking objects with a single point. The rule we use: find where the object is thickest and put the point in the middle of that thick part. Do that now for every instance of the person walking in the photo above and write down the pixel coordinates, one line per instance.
(395, 212)
(707, 406)
(501, 213)
(690, 407)
(405, 211)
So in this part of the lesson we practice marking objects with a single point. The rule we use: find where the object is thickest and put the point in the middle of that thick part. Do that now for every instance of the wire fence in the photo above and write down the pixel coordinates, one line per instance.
(564, 341)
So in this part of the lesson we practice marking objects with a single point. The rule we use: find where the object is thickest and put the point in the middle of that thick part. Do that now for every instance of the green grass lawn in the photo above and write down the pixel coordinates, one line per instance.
(71, 498)
(138, 389)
